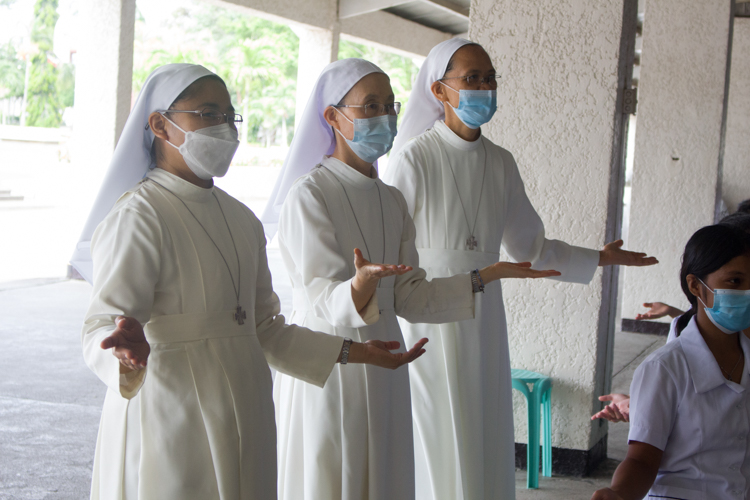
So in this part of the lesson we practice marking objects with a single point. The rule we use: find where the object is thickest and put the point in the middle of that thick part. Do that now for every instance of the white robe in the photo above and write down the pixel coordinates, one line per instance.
(198, 421)
(353, 439)
(461, 388)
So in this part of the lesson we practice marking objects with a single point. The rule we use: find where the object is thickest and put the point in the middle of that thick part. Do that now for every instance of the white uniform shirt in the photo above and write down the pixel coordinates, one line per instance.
(682, 404)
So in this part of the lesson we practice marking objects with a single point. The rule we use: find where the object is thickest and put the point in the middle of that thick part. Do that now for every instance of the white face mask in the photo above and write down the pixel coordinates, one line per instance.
(208, 151)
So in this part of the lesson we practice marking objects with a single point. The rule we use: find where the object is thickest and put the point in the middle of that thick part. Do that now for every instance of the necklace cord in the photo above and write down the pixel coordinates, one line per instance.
(229, 270)
(481, 192)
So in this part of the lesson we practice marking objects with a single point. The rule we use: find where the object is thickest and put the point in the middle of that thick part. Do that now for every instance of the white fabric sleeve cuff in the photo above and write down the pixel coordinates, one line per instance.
(343, 312)
(581, 266)
(131, 382)
(648, 436)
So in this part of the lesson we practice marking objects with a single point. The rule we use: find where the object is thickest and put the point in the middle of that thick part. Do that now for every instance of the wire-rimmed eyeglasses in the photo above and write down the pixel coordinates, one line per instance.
(210, 115)
(475, 80)
(374, 108)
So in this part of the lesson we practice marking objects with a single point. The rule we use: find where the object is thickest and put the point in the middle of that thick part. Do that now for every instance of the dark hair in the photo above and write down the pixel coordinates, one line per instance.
(189, 92)
(192, 89)
(740, 220)
(449, 66)
(709, 249)
(744, 206)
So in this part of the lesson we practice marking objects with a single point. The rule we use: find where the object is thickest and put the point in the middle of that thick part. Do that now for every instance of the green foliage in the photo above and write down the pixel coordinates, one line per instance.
(43, 108)
(12, 72)
(66, 84)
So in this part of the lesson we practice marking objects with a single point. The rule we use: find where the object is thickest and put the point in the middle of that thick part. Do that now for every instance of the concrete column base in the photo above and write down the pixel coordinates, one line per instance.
(567, 462)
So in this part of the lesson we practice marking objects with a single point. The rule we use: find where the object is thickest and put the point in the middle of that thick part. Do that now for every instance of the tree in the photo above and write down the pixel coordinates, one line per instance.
(12, 70)
(43, 108)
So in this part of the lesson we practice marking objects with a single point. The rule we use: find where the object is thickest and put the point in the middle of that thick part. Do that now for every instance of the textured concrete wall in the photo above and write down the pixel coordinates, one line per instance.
(104, 76)
(556, 108)
(736, 179)
(681, 94)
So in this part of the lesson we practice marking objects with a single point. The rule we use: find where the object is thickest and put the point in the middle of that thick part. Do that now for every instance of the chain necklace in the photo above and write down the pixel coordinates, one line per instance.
(729, 375)
(471, 241)
(382, 216)
(240, 315)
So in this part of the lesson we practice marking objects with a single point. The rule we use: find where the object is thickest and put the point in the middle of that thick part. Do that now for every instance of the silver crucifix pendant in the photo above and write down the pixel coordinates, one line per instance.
(240, 316)
(471, 242)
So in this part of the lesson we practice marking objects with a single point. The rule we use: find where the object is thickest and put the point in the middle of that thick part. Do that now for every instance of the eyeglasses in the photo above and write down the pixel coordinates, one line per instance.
(375, 109)
(475, 80)
(210, 116)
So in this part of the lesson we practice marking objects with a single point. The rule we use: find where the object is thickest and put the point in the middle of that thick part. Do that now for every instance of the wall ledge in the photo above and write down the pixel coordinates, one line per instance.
(568, 462)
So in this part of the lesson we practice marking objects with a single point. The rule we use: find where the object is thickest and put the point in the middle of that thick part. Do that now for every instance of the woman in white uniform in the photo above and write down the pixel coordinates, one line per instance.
(353, 439)
(468, 199)
(182, 296)
(690, 418)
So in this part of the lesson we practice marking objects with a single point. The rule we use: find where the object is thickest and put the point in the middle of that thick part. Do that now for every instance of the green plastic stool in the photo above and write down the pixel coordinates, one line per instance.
(538, 397)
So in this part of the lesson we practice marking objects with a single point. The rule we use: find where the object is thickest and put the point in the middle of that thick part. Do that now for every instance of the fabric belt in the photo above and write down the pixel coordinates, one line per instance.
(196, 326)
(385, 299)
(457, 260)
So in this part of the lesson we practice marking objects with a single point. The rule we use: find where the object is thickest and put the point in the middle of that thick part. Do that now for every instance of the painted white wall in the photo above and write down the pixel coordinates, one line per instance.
(736, 180)
(104, 76)
(681, 94)
(556, 107)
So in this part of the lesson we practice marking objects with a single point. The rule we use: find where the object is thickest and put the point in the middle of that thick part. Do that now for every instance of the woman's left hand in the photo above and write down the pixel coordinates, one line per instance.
(614, 255)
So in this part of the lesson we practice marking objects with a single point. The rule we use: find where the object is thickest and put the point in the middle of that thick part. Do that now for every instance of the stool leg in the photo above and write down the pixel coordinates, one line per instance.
(547, 430)
(532, 451)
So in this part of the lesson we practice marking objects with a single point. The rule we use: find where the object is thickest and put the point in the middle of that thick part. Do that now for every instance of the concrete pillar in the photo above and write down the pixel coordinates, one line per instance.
(736, 175)
(564, 70)
(678, 140)
(317, 48)
(104, 76)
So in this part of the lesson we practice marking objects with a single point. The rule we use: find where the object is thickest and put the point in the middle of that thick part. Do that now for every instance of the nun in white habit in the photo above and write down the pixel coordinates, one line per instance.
(182, 296)
(467, 199)
(353, 438)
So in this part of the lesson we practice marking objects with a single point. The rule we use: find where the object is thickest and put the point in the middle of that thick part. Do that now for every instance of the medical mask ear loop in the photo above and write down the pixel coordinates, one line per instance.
(708, 310)
(178, 128)
(347, 119)
(454, 90)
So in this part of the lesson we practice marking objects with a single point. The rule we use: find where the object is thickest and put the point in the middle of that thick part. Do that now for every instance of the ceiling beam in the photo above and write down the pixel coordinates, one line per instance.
(352, 8)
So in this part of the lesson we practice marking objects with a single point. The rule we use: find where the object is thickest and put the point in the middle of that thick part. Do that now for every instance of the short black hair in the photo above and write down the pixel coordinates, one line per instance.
(744, 206)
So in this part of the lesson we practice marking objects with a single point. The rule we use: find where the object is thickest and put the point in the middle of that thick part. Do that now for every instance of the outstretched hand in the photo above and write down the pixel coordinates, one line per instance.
(505, 270)
(378, 353)
(605, 494)
(370, 272)
(618, 411)
(128, 343)
(659, 310)
(367, 277)
(614, 255)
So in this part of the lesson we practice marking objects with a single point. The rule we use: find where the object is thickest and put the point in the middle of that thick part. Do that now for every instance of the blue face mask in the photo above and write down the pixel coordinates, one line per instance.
(731, 310)
(373, 137)
(475, 107)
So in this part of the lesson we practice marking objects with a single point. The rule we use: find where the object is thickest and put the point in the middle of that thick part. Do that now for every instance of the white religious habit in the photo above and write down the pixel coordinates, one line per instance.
(467, 199)
(198, 421)
(353, 438)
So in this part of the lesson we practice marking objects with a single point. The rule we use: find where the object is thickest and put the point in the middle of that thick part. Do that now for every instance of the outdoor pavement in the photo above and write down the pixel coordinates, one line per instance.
(50, 402)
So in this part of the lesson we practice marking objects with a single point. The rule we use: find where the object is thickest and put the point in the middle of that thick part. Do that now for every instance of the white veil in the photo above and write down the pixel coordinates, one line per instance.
(423, 108)
(132, 157)
(313, 137)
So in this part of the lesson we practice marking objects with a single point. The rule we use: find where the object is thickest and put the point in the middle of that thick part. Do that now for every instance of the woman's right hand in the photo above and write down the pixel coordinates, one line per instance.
(618, 411)
(505, 270)
(128, 343)
(368, 274)
(378, 353)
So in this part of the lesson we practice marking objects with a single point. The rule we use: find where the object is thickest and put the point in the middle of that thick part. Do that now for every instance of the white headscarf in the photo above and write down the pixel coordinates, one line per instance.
(423, 108)
(313, 137)
(132, 157)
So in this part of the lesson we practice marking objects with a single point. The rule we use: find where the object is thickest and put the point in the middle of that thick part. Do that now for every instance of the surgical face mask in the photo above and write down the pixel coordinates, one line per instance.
(731, 310)
(208, 151)
(373, 137)
(475, 107)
